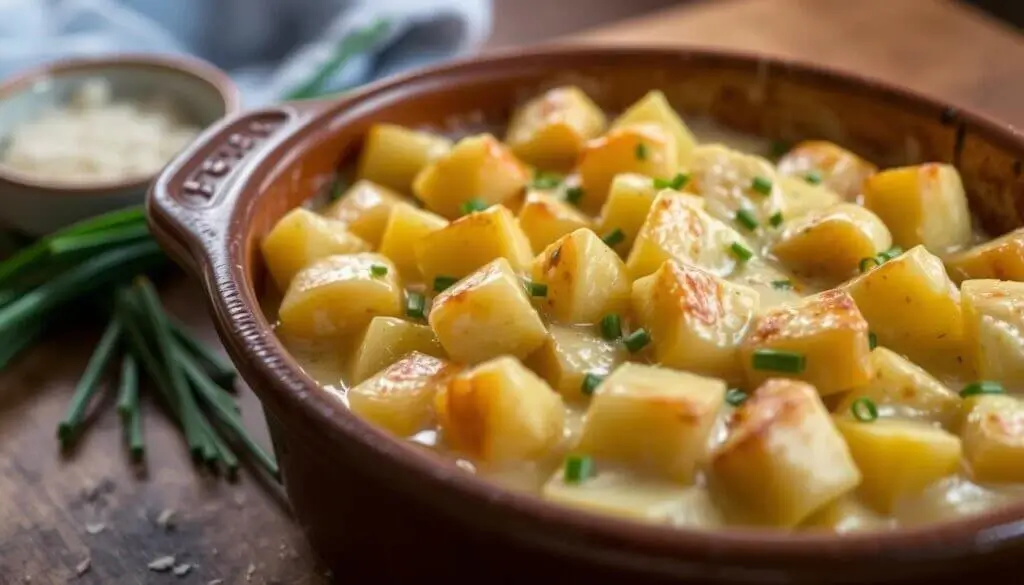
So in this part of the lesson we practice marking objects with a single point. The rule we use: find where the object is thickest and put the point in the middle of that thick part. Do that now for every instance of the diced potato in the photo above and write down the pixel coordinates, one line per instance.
(783, 458)
(922, 205)
(500, 412)
(386, 340)
(652, 420)
(910, 303)
(469, 242)
(302, 237)
(654, 108)
(994, 329)
(993, 438)
(829, 333)
(830, 243)
(549, 131)
(544, 218)
(585, 278)
(1001, 258)
(730, 181)
(400, 397)
(677, 227)
(629, 200)
(569, 354)
(838, 169)
(696, 320)
(905, 389)
(625, 495)
(898, 458)
(846, 514)
(365, 207)
(406, 226)
(645, 149)
(339, 295)
(392, 155)
(478, 168)
(801, 196)
(487, 315)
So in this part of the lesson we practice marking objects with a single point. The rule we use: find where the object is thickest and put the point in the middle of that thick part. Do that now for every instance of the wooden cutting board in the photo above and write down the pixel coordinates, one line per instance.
(55, 512)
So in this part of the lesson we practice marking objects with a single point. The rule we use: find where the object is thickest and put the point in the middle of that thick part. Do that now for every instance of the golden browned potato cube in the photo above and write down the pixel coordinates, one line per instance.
(677, 227)
(801, 196)
(386, 340)
(400, 398)
(993, 313)
(993, 438)
(783, 458)
(487, 315)
(645, 149)
(392, 155)
(825, 334)
(1001, 258)
(569, 354)
(910, 303)
(544, 218)
(619, 493)
(652, 420)
(732, 182)
(471, 241)
(898, 458)
(549, 131)
(901, 388)
(302, 237)
(922, 205)
(479, 169)
(629, 201)
(500, 412)
(339, 295)
(830, 243)
(654, 108)
(847, 514)
(833, 166)
(365, 207)
(585, 278)
(696, 320)
(406, 226)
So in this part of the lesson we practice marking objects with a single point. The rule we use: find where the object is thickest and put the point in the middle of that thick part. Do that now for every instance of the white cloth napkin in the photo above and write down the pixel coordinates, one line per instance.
(270, 47)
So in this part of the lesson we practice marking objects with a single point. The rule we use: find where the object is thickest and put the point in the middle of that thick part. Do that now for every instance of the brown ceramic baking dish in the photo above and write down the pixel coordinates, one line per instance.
(381, 510)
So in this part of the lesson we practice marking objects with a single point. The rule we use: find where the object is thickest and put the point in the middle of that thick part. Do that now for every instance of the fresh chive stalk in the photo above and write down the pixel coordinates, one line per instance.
(136, 438)
(92, 241)
(352, 45)
(219, 368)
(206, 389)
(87, 385)
(128, 386)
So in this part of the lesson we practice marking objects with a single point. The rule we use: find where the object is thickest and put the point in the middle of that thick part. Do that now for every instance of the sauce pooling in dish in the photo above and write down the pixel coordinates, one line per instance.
(657, 321)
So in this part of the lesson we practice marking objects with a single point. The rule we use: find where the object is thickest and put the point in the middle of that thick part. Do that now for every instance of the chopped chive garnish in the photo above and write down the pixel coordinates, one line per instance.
(775, 219)
(813, 177)
(872, 340)
(868, 263)
(611, 327)
(677, 182)
(574, 194)
(782, 284)
(889, 254)
(779, 148)
(614, 237)
(637, 340)
(545, 180)
(741, 252)
(777, 360)
(735, 396)
(472, 205)
(578, 468)
(864, 410)
(414, 305)
(379, 270)
(982, 387)
(641, 151)
(441, 283)
(536, 289)
(746, 218)
(762, 185)
(590, 383)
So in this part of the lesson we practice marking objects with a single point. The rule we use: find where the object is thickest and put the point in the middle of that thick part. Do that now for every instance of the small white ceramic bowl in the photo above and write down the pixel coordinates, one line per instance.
(36, 206)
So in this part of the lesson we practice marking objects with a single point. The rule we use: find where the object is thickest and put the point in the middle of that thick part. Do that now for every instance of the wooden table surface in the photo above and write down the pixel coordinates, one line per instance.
(51, 507)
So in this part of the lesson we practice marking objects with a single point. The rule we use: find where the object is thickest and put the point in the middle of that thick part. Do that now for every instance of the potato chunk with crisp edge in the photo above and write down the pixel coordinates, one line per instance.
(302, 237)
(654, 108)
(400, 398)
(585, 278)
(544, 218)
(993, 313)
(550, 130)
(1001, 258)
(569, 354)
(406, 226)
(365, 208)
(645, 149)
(387, 339)
(833, 166)
(472, 241)
(392, 156)
(993, 439)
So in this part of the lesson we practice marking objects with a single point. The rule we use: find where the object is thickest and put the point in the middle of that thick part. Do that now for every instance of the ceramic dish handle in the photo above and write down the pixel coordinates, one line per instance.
(191, 203)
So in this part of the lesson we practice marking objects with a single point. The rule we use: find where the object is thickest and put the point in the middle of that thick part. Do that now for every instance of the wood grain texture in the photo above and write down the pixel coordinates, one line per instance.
(46, 501)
